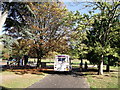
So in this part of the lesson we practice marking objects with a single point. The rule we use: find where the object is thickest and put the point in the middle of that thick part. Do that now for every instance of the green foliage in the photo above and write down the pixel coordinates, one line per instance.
(102, 36)
(49, 29)
(93, 57)
(51, 55)
(17, 18)
(43, 24)
(78, 36)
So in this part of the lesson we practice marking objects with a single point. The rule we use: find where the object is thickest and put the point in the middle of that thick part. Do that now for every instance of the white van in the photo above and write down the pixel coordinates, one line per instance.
(62, 63)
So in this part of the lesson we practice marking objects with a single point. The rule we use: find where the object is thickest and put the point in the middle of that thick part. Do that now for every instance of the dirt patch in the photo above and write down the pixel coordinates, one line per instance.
(98, 77)
(8, 77)
(19, 73)
(26, 71)
(14, 76)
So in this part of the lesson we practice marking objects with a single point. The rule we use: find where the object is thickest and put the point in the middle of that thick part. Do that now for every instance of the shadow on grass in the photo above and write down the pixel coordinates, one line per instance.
(27, 71)
(75, 72)
(21, 70)
(5, 67)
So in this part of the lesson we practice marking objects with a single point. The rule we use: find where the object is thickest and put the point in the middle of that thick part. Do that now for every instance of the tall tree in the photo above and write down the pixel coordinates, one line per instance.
(16, 22)
(20, 48)
(15, 26)
(78, 48)
(48, 30)
(104, 25)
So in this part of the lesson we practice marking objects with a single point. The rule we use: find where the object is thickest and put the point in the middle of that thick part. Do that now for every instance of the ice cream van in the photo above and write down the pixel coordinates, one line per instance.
(62, 63)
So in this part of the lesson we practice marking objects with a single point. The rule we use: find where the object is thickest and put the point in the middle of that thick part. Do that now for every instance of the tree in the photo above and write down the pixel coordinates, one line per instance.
(104, 25)
(7, 42)
(16, 22)
(78, 48)
(15, 26)
(47, 27)
(21, 48)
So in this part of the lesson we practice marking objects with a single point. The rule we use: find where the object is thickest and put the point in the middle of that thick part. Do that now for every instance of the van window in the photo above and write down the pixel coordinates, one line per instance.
(61, 59)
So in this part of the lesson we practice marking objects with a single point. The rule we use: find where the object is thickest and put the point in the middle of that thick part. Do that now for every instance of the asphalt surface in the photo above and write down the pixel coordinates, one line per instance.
(61, 81)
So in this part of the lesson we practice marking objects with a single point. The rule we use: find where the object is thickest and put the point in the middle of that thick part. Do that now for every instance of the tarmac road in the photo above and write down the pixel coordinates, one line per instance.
(61, 81)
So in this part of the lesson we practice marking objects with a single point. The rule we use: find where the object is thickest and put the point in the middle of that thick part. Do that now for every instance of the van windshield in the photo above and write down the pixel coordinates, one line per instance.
(61, 59)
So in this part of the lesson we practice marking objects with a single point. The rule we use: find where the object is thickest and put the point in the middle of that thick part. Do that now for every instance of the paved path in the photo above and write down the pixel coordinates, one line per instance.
(61, 81)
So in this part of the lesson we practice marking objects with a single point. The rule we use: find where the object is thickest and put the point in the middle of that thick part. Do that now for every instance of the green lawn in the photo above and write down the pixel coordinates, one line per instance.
(108, 80)
(12, 80)
(113, 68)
(103, 81)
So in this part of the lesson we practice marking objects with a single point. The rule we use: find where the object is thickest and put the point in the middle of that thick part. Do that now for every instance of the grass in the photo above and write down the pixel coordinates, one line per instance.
(43, 60)
(103, 81)
(50, 62)
(113, 68)
(108, 80)
(12, 80)
(75, 61)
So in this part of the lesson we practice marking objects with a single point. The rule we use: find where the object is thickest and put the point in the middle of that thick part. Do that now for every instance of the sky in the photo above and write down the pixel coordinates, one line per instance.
(73, 6)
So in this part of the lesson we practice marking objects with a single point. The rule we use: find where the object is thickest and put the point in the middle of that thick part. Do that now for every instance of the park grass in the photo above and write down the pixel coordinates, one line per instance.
(42, 60)
(74, 61)
(103, 81)
(113, 68)
(12, 80)
(77, 61)
(108, 80)
(50, 62)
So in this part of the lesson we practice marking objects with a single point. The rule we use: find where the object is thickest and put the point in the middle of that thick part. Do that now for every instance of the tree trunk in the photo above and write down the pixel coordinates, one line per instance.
(18, 61)
(100, 68)
(25, 59)
(38, 58)
(86, 66)
(38, 62)
(108, 66)
(81, 64)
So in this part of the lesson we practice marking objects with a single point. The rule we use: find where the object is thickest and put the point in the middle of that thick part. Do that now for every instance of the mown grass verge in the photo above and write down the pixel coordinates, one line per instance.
(12, 80)
(108, 80)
